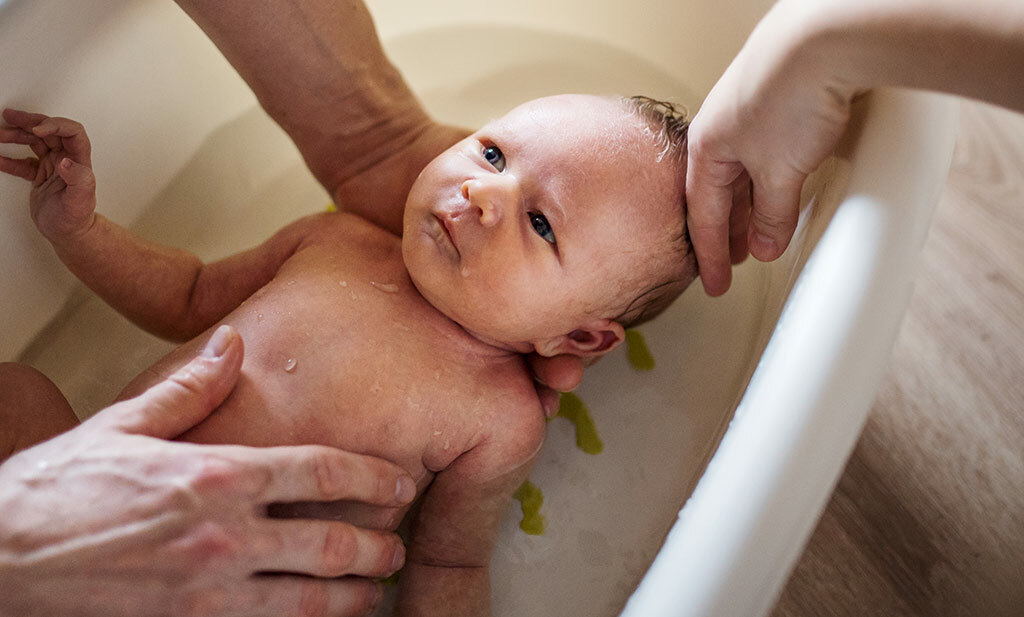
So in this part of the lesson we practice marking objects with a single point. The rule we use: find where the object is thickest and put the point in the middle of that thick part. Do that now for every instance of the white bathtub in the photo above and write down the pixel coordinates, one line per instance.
(757, 397)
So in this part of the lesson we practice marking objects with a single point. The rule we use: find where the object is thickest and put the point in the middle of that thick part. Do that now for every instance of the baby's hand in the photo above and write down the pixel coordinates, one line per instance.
(63, 196)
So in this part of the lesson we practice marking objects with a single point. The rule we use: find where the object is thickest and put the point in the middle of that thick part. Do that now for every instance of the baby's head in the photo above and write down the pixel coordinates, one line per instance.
(556, 226)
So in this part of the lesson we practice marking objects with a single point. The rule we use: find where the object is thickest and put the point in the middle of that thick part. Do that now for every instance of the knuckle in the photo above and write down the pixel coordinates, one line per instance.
(328, 473)
(189, 381)
(209, 544)
(213, 473)
(384, 485)
(338, 550)
(775, 221)
(313, 600)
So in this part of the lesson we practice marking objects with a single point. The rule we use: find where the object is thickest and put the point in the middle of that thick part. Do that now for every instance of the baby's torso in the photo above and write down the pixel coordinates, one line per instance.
(341, 350)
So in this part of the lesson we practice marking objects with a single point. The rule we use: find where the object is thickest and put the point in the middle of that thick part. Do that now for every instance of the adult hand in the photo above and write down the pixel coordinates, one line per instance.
(774, 115)
(111, 519)
(553, 375)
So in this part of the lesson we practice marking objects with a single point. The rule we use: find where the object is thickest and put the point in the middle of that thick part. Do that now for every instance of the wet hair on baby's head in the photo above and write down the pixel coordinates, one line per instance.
(667, 125)
(667, 122)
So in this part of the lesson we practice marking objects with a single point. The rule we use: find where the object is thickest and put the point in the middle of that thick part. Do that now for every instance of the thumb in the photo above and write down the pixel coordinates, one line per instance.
(187, 397)
(78, 177)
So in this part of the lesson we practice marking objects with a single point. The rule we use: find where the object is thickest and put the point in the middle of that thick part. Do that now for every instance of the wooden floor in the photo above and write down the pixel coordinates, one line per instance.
(928, 518)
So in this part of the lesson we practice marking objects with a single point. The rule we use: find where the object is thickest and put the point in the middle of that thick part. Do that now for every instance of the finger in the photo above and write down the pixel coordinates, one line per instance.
(773, 218)
(274, 595)
(22, 168)
(320, 473)
(326, 549)
(562, 372)
(79, 178)
(16, 135)
(178, 403)
(23, 119)
(549, 400)
(709, 197)
(707, 219)
(739, 219)
(72, 135)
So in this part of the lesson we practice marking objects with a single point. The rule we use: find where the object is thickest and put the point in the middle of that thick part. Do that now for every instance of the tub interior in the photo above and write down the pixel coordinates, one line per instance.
(607, 514)
(185, 157)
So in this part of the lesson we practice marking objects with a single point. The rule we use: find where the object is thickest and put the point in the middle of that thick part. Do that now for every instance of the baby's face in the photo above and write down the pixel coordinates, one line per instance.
(538, 221)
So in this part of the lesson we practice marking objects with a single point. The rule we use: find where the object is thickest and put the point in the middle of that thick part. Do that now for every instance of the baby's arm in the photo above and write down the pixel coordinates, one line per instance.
(447, 568)
(166, 291)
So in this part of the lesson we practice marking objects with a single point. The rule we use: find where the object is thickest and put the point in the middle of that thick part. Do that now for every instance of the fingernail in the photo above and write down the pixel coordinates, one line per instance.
(405, 490)
(399, 559)
(218, 343)
(764, 243)
(65, 163)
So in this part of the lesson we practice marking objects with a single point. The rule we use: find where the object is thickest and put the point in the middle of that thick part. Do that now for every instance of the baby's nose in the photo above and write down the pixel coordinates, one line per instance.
(490, 197)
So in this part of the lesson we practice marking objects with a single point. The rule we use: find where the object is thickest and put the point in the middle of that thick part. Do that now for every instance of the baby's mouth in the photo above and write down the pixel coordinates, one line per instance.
(446, 231)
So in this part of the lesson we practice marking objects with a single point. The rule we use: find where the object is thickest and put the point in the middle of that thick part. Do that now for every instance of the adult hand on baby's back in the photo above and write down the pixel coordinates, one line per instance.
(112, 519)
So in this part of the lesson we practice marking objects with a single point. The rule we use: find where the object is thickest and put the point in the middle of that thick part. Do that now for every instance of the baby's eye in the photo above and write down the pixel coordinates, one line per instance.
(542, 227)
(494, 156)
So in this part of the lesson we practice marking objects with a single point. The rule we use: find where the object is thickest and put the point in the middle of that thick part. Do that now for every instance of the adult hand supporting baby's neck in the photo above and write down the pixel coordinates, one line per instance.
(556, 374)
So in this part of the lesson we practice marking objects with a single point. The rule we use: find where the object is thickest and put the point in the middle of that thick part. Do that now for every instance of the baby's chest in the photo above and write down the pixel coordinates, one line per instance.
(350, 356)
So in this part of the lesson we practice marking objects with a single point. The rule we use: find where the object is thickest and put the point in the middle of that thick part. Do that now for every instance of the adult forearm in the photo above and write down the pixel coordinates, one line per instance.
(973, 49)
(318, 69)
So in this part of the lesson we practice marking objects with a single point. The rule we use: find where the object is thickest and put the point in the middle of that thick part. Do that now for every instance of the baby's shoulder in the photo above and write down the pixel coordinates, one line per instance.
(516, 418)
(339, 221)
(341, 230)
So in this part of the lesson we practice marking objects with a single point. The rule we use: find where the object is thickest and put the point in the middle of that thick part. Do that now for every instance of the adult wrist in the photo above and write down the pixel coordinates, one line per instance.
(835, 37)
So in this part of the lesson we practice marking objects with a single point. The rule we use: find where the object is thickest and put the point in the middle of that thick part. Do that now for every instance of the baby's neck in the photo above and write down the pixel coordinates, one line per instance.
(509, 348)
(473, 342)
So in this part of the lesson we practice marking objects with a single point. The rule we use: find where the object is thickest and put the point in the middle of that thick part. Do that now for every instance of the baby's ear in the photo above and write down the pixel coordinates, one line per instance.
(591, 340)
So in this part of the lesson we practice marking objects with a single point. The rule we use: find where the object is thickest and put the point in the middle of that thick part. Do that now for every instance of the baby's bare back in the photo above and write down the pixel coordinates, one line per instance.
(341, 350)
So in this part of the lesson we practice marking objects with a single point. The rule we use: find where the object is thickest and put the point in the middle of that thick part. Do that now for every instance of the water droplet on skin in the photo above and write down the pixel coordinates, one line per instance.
(464, 272)
(289, 366)
(290, 283)
(259, 316)
(385, 287)
(343, 283)
(447, 444)
(436, 433)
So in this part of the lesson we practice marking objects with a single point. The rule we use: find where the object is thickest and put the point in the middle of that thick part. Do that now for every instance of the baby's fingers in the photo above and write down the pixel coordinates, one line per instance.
(22, 168)
(22, 119)
(81, 183)
(72, 137)
(15, 135)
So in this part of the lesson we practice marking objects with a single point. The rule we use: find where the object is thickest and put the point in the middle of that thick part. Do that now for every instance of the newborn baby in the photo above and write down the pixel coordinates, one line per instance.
(549, 230)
